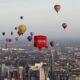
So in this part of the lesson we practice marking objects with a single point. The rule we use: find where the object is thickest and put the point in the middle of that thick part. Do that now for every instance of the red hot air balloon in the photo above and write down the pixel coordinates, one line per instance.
(57, 8)
(64, 25)
(40, 41)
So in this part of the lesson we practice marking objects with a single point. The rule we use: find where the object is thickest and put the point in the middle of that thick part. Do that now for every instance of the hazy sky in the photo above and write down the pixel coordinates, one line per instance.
(40, 17)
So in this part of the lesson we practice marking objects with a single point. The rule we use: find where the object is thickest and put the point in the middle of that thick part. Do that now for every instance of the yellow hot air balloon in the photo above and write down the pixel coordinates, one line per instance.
(22, 28)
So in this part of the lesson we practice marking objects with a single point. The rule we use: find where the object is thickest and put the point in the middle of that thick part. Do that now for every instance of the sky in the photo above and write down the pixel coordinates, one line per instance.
(40, 17)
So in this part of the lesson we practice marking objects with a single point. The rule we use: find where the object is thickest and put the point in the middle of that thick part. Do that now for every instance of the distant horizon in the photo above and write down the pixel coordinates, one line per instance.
(49, 38)
(74, 42)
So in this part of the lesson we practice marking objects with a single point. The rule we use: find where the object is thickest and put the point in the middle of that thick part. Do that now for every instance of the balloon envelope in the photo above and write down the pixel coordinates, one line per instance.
(3, 33)
(11, 33)
(64, 25)
(19, 33)
(29, 38)
(57, 8)
(31, 33)
(6, 39)
(16, 39)
(21, 17)
(40, 41)
(52, 44)
(15, 28)
(22, 28)
(9, 40)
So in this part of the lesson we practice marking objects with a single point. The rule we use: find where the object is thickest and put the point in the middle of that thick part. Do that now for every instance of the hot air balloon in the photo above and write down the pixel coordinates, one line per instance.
(40, 41)
(29, 38)
(57, 7)
(11, 33)
(19, 33)
(3, 33)
(31, 33)
(16, 39)
(22, 29)
(52, 44)
(64, 25)
(21, 17)
(15, 28)
(8, 40)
